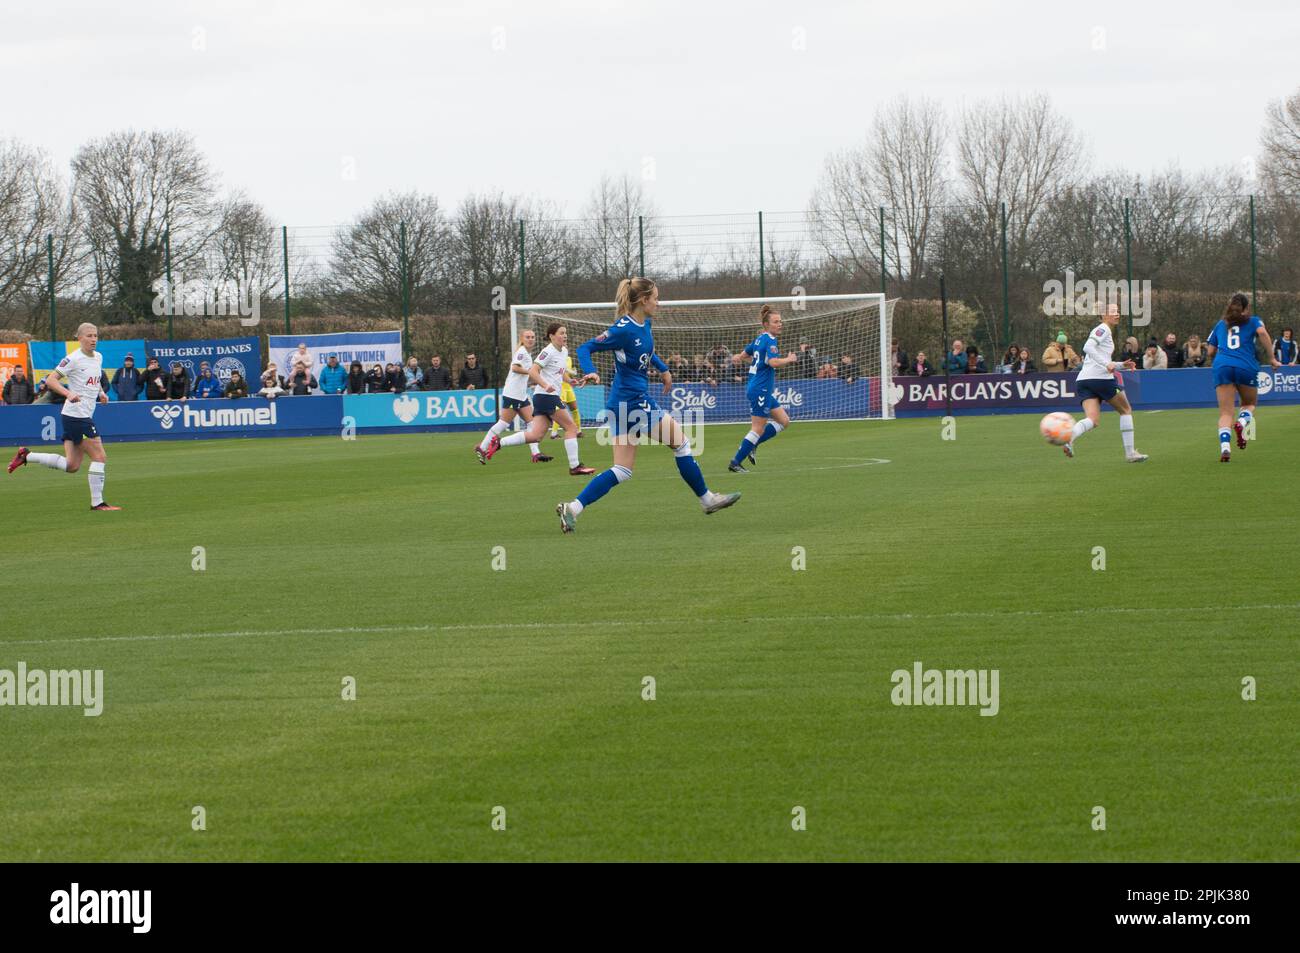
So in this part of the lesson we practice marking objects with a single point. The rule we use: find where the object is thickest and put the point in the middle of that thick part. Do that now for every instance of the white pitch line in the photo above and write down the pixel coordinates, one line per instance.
(619, 623)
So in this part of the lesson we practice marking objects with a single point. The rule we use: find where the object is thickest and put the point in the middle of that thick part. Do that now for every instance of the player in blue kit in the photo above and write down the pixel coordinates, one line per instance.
(1231, 348)
(762, 379)
(632, 411)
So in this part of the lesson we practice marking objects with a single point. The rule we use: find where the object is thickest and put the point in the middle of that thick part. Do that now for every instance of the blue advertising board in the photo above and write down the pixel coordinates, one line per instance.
(1025, 393)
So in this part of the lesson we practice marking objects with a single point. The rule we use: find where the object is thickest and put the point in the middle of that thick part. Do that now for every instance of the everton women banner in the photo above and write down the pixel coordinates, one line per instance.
(368, 347)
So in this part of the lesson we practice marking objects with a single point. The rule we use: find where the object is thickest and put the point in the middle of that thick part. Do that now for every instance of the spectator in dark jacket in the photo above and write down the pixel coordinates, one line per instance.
(238, 387)
(128, 382)
(375, 380)
(472, 376)
(1173, 353)
(303, 382)
(155, 381)
(898, 360)
(1023, 364)
(974, 363)
(18, 389)
(178, 383)
(356, 378)
(207, 385)
(1132, 352)
(437, 377)
(920, 367)
(1194, 352)
(394, 379)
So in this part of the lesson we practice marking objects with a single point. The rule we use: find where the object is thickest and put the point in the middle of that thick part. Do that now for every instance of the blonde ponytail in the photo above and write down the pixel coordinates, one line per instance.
(631, 292)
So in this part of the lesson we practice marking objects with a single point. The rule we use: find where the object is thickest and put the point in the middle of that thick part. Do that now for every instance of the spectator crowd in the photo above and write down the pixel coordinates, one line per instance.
(717, 365)
(299, 378)
(1157, 355)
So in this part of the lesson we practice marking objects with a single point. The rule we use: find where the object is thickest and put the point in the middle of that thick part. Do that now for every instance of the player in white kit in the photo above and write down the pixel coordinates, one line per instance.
(550, 372)
(1097, 382)
(82, 369)
(514, 402)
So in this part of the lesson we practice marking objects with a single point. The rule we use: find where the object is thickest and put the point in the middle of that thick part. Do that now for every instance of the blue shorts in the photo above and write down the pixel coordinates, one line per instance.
(77, 429)
(512, 403)
(546, 404)
(1232, 374)
(633, 417)
(1102, 390)
(762, 403)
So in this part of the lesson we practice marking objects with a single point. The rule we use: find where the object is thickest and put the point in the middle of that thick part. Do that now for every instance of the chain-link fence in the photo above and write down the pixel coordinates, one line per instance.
(1013, 277)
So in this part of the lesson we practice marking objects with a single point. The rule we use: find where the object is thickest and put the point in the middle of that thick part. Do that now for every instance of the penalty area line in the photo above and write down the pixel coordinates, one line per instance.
(624, 623)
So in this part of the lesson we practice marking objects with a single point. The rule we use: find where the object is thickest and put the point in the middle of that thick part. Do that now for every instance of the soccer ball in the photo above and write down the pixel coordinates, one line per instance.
(1057, 428)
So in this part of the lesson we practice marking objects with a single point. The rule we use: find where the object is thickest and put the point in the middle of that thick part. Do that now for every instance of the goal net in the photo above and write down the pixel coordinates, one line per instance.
(842, 343)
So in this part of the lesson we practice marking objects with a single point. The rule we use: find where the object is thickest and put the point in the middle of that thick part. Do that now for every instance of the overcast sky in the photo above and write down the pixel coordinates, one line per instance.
(315, 108)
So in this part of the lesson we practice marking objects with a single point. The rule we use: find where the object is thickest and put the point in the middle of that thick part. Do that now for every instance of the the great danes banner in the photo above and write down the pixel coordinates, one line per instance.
(368, 347)
(224, 354)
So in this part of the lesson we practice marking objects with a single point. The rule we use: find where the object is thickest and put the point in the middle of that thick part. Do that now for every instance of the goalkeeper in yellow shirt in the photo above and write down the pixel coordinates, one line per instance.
(571, 401)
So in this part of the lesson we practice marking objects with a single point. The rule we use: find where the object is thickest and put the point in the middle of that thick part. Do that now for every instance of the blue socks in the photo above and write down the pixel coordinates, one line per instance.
(770, 431)
(690, 470)
(746, 447)
(600, 484)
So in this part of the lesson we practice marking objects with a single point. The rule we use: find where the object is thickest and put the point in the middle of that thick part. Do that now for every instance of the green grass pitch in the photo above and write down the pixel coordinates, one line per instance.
(523, 688)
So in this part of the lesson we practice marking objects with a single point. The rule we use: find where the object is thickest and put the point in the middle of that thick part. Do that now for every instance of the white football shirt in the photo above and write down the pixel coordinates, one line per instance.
(1097, 352)
(516, 386)
(82, 372)
(552, 362)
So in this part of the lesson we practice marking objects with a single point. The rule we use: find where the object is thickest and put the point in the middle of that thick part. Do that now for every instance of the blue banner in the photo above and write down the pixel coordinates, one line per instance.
(224, 354)
(1025, 393)
(833, 399)
(438, 408)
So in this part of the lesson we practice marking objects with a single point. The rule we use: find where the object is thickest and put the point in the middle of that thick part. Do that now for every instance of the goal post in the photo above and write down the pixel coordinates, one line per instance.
(842, 342)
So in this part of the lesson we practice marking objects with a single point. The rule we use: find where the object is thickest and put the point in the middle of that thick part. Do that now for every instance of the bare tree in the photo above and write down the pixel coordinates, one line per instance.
(1280, 162)
(485, 249)
(34, 207)
(621, 219)
(366, 270)
(843, 212)
(245, 248)
(133, 188)
(906, 164)
(1017, 152)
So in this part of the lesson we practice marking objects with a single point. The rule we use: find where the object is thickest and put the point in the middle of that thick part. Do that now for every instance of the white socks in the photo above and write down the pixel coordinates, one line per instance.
(54, 461)
(1126, 432)
(497, 428)
(571, 448)
(1081, 427)
(96, 478)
